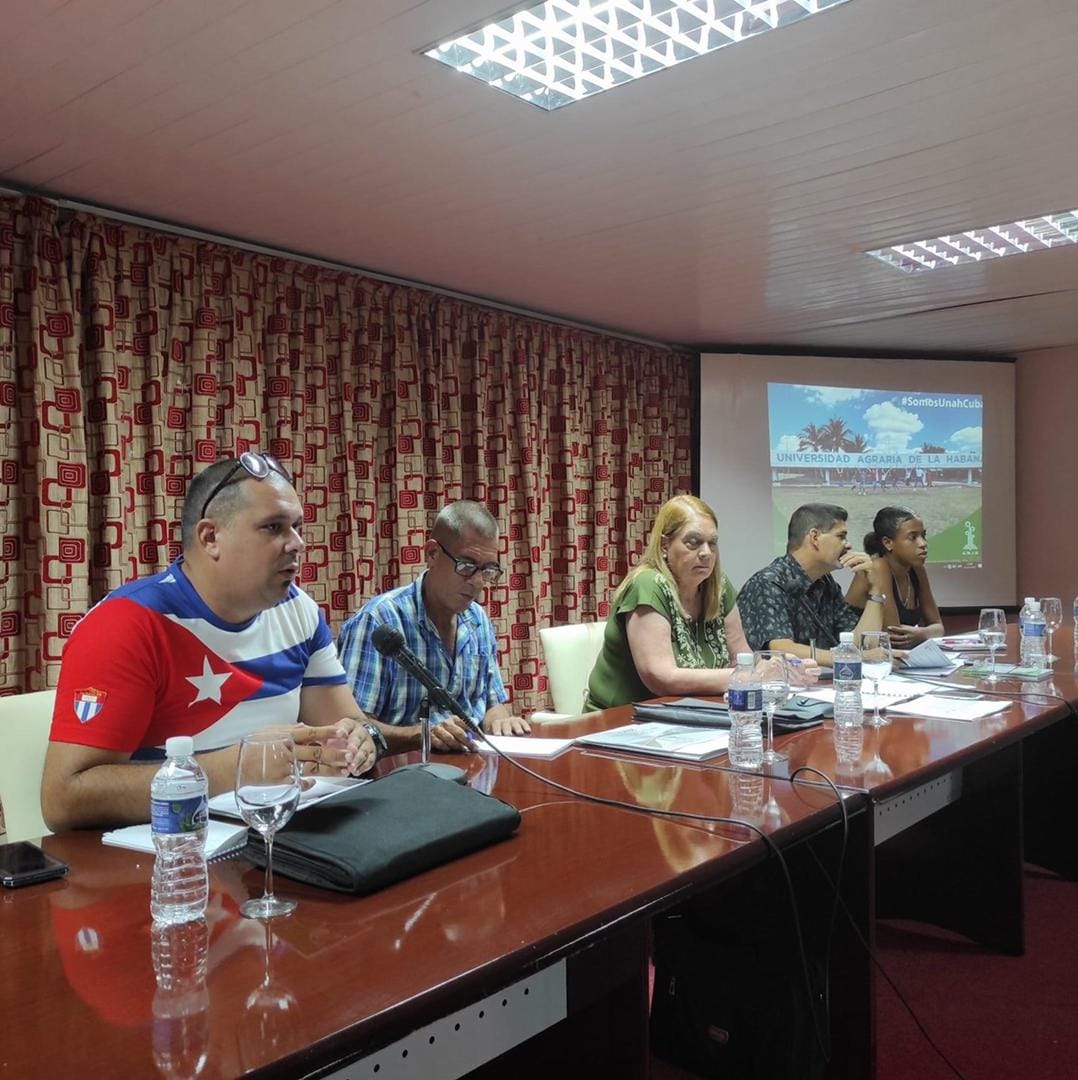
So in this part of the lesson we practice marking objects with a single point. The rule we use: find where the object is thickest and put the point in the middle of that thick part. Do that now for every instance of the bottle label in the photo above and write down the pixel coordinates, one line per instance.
(179, 815)
(1035, 629)
(848, 669)
(745, 700)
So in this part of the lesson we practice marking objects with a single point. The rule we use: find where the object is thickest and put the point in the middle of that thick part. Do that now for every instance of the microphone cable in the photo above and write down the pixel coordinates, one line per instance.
(871, 953)
(823, 1039)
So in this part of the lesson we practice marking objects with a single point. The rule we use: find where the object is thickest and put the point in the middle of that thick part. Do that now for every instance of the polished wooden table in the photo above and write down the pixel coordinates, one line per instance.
(958, 807)
(540, 942)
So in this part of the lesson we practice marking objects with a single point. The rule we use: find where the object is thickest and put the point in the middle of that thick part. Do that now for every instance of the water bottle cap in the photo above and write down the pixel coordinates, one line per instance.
(744, 658)
(1034, 605)
(1029, 599)
(846, 637)
(179, 746)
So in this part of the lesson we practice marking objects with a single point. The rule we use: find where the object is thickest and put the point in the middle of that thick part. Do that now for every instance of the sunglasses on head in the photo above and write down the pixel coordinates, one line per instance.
(256, 464)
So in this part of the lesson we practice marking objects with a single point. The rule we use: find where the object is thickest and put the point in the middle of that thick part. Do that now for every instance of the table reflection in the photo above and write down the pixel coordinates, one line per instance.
(134, 974)
(181, 1024)
(271, 1007)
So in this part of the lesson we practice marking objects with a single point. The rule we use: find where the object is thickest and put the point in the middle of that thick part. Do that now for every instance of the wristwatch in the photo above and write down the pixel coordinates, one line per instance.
(381, 747)
(877, 597)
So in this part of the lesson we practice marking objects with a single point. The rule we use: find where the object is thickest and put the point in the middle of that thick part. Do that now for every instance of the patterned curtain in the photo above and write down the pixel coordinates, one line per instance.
(130, 359)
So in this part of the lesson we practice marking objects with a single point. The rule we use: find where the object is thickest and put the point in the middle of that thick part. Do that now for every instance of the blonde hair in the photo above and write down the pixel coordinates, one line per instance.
(673, 516)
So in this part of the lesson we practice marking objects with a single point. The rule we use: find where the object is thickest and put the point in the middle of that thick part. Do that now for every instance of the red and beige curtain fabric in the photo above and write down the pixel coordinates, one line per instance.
(130, 359)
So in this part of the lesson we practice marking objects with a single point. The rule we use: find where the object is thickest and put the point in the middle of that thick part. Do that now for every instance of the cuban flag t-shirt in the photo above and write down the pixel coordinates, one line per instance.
(152, 660)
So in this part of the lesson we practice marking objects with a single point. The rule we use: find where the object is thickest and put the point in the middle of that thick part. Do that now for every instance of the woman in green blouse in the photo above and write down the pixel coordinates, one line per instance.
(674, 627)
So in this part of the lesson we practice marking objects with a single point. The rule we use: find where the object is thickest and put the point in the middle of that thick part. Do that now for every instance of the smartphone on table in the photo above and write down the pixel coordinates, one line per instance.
(23, 863)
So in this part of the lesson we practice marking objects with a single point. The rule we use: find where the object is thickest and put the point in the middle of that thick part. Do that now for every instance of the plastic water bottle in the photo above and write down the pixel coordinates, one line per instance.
(746, 698)
(846, 660)
(181, 1026)
(1034, 631)
(1023, 615)
(849, 742)
(178, 807)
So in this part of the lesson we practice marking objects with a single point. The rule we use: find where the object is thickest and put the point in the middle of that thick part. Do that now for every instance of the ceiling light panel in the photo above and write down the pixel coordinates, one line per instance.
(977, 245)
(562, 51)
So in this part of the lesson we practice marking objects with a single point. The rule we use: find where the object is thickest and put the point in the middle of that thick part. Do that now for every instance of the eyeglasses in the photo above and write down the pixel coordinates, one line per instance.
(467, 568)
(257, 465)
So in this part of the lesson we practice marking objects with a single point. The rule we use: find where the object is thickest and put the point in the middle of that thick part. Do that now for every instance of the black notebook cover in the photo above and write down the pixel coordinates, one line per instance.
(386, 831)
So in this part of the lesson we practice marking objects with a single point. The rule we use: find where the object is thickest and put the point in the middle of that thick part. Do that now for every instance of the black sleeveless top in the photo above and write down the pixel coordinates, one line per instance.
(909, 616)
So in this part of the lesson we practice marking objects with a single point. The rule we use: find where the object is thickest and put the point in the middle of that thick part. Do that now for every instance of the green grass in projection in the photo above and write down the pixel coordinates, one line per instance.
(944, 510)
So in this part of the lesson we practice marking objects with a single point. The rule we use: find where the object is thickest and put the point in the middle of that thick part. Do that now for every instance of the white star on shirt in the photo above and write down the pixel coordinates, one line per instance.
(208, 684)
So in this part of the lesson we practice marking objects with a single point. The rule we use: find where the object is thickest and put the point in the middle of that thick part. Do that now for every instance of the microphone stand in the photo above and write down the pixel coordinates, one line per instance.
(435, 768)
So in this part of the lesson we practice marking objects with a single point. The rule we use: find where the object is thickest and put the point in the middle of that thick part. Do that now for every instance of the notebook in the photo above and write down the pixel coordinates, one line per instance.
(221, 838)
(662, 740)
(322, 787)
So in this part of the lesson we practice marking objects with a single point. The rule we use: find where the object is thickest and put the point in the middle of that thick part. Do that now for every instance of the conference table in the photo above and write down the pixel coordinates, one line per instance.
(539, 943)
(956, 808)
(532, 954)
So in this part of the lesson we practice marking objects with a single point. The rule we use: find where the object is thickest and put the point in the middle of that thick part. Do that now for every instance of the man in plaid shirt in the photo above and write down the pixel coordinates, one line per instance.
(443, 624)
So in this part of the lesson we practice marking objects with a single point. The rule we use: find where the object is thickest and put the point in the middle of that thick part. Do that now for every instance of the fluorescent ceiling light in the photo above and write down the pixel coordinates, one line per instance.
(993, 242)
(561, 51)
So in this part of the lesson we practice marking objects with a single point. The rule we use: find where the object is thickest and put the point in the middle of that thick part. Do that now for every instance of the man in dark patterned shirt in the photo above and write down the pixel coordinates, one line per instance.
(794, 604)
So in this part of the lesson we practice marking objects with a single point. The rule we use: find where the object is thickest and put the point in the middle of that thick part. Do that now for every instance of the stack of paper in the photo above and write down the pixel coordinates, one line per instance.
(891, 689)
(937, 706)
(963, 642)
(929, 657)
(663, 740)
(523, 745)
(322, 788)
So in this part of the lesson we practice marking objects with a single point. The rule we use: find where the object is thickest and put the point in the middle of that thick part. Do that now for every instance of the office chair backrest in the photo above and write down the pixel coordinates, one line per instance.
(570, 653)
(25, 720)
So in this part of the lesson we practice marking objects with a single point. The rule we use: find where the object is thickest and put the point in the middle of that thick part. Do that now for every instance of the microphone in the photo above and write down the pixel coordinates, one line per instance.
(390, 643)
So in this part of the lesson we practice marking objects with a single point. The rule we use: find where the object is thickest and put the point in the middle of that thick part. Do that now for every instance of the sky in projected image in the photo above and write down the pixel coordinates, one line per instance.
(865, 449)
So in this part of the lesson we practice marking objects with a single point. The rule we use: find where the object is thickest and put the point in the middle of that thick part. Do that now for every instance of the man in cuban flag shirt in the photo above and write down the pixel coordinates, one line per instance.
(220, 644)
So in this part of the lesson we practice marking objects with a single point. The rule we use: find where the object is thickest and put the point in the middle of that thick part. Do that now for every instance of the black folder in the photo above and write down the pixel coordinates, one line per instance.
(385, 831)
(797, 713)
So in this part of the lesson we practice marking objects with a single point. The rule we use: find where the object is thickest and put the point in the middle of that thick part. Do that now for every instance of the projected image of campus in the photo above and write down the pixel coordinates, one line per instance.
(865, 449)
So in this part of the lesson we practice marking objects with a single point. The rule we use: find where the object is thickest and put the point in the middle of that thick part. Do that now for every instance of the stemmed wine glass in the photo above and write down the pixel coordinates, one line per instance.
(1053, 619)
(992, 628)
(775, 683)
(267, 793)
(875, 665)
(877, 771)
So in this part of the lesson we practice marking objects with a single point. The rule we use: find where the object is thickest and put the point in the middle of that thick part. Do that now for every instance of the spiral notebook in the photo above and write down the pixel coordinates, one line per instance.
(221, 838)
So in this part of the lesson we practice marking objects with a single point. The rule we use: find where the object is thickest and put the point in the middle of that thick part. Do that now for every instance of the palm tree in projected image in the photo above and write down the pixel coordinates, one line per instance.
(931, 448)
(835, 434)
(810, 437)
(833, 437)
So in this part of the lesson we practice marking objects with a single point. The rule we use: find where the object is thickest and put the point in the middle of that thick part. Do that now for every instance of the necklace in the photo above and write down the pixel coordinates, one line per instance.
(907, 600)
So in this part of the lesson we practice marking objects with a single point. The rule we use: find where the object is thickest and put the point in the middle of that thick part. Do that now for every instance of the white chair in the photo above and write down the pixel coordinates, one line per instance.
(25, 720)
(570, 653)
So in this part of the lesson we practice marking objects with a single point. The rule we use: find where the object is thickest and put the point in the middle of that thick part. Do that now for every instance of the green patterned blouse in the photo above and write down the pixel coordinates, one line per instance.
(697, 643)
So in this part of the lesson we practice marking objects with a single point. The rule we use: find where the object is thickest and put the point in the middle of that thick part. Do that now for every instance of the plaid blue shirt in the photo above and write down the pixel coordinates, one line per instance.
(383, 690)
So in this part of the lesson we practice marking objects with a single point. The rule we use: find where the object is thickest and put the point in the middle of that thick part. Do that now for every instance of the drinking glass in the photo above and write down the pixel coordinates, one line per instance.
(267, 793)
(877, 771)
(774, 679)
(875, 665)
(1052, 607)
(992, 628)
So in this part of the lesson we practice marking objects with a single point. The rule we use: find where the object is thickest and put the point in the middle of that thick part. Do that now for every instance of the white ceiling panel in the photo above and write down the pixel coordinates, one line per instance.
(726, 201)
